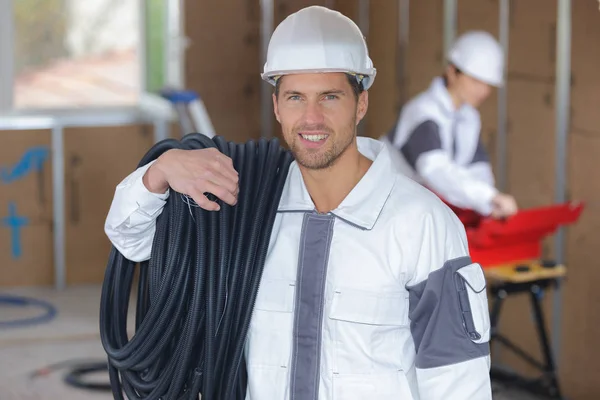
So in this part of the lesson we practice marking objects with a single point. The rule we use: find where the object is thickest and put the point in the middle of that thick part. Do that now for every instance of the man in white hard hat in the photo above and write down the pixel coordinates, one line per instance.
(437, 136)
(368, 291)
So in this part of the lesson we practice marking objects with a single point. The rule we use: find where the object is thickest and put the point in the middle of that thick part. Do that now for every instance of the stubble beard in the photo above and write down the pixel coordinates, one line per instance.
(319, 159)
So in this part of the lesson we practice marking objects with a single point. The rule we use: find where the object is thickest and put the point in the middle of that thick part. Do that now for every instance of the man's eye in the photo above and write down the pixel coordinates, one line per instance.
(294, 97)
(331, 97)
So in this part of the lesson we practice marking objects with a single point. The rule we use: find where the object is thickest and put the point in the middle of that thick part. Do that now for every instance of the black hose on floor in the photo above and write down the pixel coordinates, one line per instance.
(75, 377)
(10, 300)
(196, 294)
(77, 370)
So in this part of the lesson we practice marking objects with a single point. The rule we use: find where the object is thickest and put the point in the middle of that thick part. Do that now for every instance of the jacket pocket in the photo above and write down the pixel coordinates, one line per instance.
(275, 295)
(269, 337)
(471, 286)
(370, 307)
(369, 331)
(386, 386)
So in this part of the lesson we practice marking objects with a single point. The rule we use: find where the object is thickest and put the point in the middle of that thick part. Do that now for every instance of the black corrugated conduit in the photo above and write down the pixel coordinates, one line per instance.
(196, 294)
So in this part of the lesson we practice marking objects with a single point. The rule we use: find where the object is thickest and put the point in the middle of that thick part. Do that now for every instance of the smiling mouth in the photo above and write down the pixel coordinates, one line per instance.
(313, 137)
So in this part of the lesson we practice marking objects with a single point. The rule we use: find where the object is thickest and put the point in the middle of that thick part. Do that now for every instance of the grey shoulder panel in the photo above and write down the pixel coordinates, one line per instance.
(449, 315)
(481, 154)
(425, 137)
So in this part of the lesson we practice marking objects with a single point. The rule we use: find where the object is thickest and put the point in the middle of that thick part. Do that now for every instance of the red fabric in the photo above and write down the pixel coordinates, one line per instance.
(493, 242)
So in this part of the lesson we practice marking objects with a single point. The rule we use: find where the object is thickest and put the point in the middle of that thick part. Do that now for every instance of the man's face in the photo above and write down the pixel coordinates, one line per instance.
(318, 114)
(470, 90)
(474, 91)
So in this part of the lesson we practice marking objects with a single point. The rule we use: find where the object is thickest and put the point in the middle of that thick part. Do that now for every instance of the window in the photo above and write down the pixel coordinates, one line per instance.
(72, 54)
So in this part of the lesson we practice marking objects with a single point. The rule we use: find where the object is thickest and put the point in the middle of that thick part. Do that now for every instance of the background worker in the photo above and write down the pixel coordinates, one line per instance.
(361, 296)
(437, 136)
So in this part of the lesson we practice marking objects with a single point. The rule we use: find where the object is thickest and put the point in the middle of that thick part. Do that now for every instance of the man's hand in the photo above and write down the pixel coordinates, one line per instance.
(503, 206)
(195, 172)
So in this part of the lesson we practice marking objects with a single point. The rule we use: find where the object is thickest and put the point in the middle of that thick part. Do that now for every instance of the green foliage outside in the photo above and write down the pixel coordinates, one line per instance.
(40, 36)
(40, 29)
(155, 46)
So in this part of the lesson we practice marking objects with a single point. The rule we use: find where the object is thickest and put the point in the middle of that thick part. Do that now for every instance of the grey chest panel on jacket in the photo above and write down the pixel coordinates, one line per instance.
(315, 243)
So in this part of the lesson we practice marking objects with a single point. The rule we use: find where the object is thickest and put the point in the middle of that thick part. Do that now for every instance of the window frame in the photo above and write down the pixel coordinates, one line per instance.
(171, 59)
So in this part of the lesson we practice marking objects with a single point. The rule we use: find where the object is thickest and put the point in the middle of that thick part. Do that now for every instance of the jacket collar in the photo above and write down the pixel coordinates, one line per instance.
(364, 203)
(440, 94)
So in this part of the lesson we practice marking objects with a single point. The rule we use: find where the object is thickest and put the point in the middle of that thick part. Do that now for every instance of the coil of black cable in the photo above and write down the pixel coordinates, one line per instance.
(196, 293)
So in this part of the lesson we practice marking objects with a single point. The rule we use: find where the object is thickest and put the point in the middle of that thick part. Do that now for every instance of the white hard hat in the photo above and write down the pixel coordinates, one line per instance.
(478, 54)
(317, 39)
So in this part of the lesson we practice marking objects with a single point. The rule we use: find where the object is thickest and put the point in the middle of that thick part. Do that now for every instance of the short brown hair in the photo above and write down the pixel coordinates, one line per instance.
(357, 86)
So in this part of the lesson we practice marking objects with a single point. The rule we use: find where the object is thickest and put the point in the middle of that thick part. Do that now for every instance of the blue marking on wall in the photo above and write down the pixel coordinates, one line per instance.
(31, 161)
(15, 223)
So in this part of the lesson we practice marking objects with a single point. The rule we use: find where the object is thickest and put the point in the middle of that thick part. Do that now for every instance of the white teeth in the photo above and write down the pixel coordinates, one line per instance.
(314, 138)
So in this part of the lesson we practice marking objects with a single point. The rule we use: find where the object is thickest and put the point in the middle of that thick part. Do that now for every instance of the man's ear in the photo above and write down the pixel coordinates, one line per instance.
(363, 105)
(276, 108)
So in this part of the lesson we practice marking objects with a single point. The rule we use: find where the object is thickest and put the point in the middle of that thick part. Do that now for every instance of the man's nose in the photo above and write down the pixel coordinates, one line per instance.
(313, 113)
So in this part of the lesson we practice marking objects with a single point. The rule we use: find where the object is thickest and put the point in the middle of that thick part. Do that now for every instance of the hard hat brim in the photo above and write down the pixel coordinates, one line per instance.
(369, 76)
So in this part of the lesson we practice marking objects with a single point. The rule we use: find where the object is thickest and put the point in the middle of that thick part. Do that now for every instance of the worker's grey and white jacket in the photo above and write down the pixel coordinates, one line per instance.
(440, 147)
(377, 299)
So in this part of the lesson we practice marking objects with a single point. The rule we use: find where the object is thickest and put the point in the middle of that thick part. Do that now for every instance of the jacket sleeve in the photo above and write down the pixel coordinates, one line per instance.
(449, 315)
(480, 167)
(464, 187)
(131, 221)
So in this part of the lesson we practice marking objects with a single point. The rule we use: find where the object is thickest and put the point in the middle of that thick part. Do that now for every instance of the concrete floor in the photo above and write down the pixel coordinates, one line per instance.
(72, 335)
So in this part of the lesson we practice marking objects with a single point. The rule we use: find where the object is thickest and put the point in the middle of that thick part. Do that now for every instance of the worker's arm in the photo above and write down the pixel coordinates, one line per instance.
(140, 198)
(455, 184)
(480, 167)
(448, 310)
(131, 221)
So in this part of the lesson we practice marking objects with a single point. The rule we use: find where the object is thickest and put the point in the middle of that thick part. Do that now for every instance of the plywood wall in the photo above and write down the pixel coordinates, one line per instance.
(25, 209)
(531, 149)
(580, 352)
(96, 160)
(223, 63)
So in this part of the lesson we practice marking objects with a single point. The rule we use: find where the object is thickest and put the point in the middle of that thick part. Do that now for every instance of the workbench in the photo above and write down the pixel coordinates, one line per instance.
(510, 251)
(534, 278)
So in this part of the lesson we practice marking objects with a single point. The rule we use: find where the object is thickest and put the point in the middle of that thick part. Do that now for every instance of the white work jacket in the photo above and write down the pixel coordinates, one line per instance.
(377, 299)
(440, 147)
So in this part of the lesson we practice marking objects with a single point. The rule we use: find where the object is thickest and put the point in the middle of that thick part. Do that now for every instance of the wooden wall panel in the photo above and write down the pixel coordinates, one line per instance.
(25, 208)
(96, 160)
(483, 15)
(223, 63)
(581, 311)
(424, 59)
(531, 149)
(532, 38)
(383, 46)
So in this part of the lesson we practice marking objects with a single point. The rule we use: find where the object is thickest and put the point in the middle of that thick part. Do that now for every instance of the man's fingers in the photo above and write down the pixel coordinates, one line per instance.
(225, 167)
(220, 179)
(203, 201)
(221, 192)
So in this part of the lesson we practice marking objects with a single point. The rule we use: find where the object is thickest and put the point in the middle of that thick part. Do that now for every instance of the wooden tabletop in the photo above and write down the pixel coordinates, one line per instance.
(509, 272)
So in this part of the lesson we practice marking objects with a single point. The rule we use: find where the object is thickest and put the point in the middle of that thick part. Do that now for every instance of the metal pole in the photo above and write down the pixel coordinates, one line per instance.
(58, 205)
(7, 67)
(363, 24)
(161, 130)
(501, 139)
(563, 104)
(266, 90)
(450, 10)
(403, 32)
(175, 44)
(363, 16)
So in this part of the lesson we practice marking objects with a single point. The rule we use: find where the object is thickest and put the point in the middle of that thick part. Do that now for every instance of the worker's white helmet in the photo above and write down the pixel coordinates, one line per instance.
(479, 55)
(317, 39)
